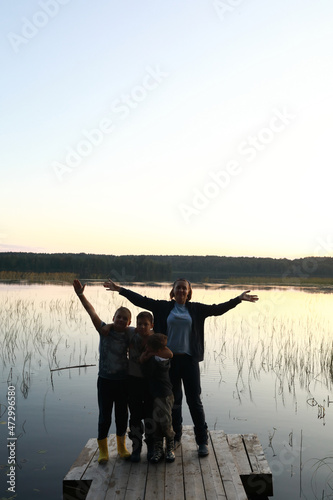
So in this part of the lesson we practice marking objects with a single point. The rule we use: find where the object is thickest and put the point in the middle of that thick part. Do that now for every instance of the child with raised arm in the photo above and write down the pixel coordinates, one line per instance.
(156, 365)
(112, 383)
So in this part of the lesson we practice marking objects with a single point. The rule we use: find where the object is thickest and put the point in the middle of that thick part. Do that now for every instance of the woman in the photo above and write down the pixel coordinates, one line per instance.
(183, 322)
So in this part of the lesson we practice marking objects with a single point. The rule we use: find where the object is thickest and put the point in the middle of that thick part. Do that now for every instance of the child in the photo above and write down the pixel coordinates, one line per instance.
(156, 367)
(140, 401)
(112, 376)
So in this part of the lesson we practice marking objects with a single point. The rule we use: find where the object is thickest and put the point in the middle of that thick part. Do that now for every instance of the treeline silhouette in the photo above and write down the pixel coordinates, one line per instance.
(164, 267)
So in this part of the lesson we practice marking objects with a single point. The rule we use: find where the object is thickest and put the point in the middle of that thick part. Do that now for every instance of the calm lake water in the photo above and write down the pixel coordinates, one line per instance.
(268, 370)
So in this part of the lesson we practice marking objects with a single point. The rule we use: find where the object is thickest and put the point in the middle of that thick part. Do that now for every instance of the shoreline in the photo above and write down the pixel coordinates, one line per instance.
(260, 283)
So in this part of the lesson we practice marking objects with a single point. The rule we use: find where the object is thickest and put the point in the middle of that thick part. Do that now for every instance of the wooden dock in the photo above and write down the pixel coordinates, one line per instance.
(235, 469)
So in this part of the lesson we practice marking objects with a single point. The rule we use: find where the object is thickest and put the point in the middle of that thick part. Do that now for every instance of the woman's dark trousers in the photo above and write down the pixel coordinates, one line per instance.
(185, 369)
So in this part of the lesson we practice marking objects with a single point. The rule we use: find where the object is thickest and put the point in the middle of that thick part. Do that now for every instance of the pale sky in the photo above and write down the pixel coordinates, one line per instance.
(195, 127)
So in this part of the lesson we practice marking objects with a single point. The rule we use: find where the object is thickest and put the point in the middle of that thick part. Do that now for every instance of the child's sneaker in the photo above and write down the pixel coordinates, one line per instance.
(170, 454)
(158, 452)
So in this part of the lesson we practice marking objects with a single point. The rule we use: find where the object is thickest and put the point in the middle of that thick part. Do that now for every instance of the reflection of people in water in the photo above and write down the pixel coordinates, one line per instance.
(183, 323)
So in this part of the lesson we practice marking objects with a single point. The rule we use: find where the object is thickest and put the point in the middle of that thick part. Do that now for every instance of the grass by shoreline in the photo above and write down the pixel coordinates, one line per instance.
(36, 277)
(310, 281)
(283, 281)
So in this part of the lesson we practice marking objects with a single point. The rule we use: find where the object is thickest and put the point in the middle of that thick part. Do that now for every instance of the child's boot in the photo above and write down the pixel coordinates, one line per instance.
(150, 448)
(158, 452)
(121, 447)
(136, 450)
(170, 453)
(103, 450)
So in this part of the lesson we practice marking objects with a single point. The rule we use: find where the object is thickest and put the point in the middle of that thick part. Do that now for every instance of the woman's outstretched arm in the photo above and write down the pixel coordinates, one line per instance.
(135, 298)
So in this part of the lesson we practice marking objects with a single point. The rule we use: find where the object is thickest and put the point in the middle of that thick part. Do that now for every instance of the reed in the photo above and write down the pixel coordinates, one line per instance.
(296, 349)
(295, 346)
(37, 334)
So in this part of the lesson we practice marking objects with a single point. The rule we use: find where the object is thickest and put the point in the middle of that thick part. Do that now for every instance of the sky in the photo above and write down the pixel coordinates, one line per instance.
(199, 127)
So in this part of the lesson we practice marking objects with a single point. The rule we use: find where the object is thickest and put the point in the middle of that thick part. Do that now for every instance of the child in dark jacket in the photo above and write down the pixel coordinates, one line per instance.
(140, 400)
(156, 365)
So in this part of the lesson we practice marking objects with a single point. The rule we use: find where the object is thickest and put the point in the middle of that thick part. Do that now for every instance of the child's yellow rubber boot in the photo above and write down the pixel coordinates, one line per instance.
(121, 447)
(103, 450)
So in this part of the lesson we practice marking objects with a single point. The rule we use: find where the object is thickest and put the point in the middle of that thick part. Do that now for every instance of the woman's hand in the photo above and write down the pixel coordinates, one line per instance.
(247, 297)
(111, 286)
(78, 287)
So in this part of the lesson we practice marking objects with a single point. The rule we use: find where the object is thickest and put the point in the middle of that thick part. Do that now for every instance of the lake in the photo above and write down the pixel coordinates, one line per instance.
(268, 369)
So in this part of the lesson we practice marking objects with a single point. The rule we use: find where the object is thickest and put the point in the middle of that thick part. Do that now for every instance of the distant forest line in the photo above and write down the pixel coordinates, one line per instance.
(154, 268)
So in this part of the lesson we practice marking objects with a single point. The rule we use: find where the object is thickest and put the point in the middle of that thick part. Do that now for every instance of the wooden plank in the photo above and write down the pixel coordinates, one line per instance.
(237, 448)
(211, 476)
(136, 486)
(174, 478)
(74, 487)
(260, 480)
(256, 454)
(101, 474)
(155, 481)
(117, 485)
(82, 462)
(120, 475)
(193, 484)
(231, 481)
